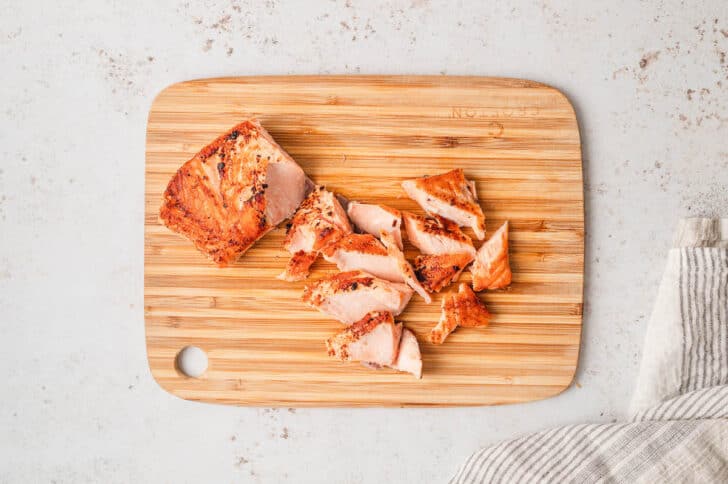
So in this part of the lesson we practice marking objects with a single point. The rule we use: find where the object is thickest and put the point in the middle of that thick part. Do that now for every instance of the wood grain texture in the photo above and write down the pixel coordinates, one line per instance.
(361, 136)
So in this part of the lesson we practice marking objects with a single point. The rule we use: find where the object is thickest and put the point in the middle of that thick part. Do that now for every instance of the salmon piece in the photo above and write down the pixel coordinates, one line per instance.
(447, 323)
(470, 310)
(349, 296)
(377, 341)
(381, 259)
(319, 221)
(409, 358)
(298, 266)
(451, 196)
(363, 252)
(372, 219)
(374, 339)
(463, 309)
(492, 269)
(436, 235)
(438, 271)
(404, 267)
(233, 192)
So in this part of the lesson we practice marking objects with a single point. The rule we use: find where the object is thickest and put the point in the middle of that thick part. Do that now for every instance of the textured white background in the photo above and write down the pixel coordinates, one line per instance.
(648, 80)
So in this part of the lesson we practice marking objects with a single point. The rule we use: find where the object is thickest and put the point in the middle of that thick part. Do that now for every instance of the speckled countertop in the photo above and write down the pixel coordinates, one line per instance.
(649, 81)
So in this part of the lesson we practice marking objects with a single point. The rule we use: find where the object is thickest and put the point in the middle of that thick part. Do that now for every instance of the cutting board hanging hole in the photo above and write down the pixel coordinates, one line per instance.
(192, 361)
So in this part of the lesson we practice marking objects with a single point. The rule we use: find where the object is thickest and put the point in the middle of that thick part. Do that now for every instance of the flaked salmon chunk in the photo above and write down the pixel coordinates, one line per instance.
(298, 266)
(438, 271)
(318, 222)
(233, 192)
(374, 339)
(447, 322)
(372, 219)
(381, 259)
(349, 296)
(451, 196)
(470, 310)
(436, 235)
(404, 267)
(363, 252)
(464, 309)
(409, 358)
(491, 268)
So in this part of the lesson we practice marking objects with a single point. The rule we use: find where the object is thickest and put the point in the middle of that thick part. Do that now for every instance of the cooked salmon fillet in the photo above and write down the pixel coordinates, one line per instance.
(491, 268)
(459, 309)
(409, 358)
(372, 219)
(451, 196)
(373, 339)
(233, 192)
(404, 267)
(436, 235)
(438, 271)
(363, 252)
(319, 221)
(349, 296)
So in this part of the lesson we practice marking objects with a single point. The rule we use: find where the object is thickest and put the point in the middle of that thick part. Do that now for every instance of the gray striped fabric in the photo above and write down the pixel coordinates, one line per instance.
(679, 430)
(703, 297)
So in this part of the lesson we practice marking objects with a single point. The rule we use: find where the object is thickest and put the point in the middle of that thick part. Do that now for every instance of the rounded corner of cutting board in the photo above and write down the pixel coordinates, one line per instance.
(339, 138)
(160, 96)
(166, 387)
(570, 106)
(564, 99)
(565, 387)
(169, 379)
(164, 384)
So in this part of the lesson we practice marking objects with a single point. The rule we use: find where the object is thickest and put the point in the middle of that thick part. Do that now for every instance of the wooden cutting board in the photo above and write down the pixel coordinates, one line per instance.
(361, 136)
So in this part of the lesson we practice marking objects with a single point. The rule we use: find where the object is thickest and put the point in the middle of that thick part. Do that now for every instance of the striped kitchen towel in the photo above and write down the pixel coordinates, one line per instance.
(679, 426)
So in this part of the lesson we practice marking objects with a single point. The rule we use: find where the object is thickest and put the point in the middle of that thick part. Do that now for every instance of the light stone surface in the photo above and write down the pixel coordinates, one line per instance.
(648, 81)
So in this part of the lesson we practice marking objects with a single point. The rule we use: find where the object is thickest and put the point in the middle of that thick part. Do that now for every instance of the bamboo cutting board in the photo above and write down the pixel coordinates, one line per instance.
(361, 136)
